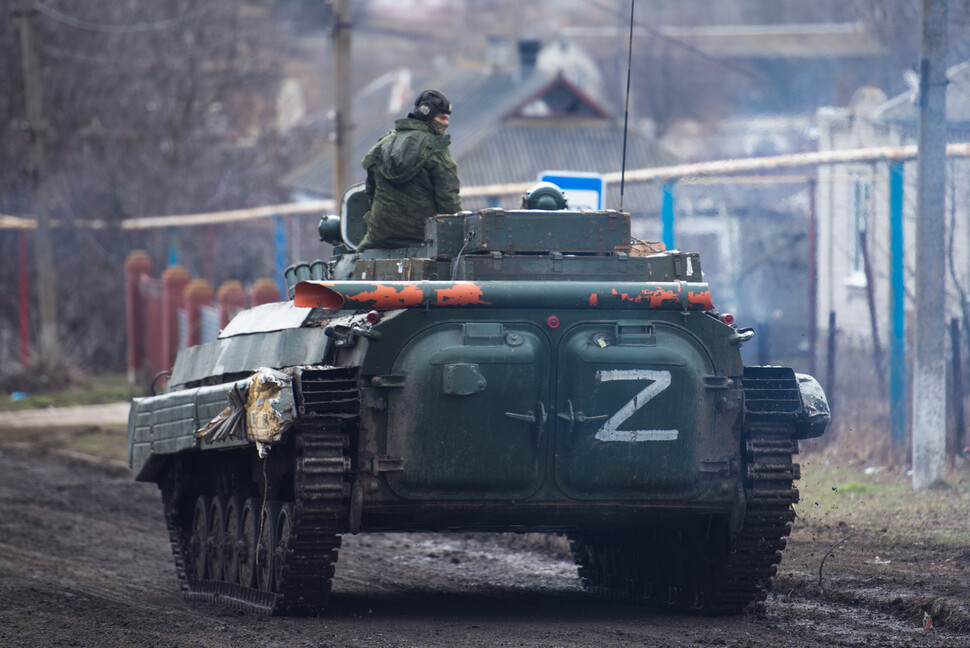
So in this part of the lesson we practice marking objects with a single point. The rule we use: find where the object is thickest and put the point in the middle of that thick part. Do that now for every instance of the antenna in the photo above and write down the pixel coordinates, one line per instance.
(626, 109)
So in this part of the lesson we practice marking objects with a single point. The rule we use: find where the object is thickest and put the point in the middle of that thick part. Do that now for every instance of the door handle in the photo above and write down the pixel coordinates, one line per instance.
(573, 416)
(531, 417)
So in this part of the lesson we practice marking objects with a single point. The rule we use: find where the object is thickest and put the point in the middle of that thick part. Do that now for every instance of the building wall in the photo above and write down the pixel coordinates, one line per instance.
(852, 194)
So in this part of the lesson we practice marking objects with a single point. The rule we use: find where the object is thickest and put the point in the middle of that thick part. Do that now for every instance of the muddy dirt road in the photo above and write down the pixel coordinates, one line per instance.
(85, 562)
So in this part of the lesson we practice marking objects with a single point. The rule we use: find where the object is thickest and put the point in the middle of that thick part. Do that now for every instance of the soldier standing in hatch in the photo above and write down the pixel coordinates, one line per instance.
(411, 176)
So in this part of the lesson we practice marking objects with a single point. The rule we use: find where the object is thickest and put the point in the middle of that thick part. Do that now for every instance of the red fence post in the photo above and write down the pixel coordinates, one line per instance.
(174, 280)
(137, 264)
(232, 299)
(151, 295)
(197, 293)
(264, 291)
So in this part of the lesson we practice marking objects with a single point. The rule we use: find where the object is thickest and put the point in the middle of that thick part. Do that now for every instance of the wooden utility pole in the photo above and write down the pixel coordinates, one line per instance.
(929, 367)
(37, 131)
(343, 149)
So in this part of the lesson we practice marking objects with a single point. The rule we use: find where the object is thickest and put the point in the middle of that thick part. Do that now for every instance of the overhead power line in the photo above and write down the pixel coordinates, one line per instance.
(103, 28)
(56, 52)
(679, 43)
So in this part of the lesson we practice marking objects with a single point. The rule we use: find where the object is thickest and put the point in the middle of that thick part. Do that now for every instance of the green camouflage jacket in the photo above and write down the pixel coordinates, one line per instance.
(411, 176)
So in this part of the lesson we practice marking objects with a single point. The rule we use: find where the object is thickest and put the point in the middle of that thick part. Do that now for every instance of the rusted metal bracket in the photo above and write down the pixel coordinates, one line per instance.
(389, 380)
(718, 382)
(342, 336)
(721, 466)
(742, 336)
(383, 463)
(377, 403)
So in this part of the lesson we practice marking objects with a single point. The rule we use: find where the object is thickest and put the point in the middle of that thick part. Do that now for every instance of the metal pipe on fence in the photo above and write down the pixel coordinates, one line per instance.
(895, 155)
(873, 318)
(667, 217)
(897, 297)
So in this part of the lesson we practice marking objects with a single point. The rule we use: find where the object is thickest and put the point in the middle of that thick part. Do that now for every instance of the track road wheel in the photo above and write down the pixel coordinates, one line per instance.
(196, 559)
(233, 536)
(248, 539)
(284, 525)
(266, 547)
(215, 543)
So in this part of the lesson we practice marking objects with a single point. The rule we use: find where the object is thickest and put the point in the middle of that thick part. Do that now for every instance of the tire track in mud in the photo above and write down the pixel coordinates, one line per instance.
(84, 560)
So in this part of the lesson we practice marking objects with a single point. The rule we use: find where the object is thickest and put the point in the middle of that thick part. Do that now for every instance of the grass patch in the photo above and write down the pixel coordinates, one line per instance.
(103, 443)
(858, 488)
(95, 390)
(884, 500)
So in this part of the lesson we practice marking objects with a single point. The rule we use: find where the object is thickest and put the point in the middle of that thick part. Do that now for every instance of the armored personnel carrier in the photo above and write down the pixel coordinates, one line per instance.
(523, 370)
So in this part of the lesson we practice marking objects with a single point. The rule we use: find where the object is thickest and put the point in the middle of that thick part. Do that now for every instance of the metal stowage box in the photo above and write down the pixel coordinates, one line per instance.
(532, 231)
(557, 266)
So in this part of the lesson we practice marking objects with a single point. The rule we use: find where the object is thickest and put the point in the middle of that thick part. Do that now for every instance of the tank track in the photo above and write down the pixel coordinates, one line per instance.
(699, 565)
(320, 509)
(769, 497)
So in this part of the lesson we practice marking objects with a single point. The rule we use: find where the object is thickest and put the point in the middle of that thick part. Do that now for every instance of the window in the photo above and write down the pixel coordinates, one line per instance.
(860, 188)
(860, 221)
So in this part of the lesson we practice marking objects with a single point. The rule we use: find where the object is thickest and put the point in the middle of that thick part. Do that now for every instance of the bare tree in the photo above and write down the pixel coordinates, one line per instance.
(158, 108)
(894, 21)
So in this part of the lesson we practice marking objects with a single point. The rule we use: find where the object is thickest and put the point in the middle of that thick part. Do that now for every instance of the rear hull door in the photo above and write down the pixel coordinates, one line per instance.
(471, 414)
(631, 411)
